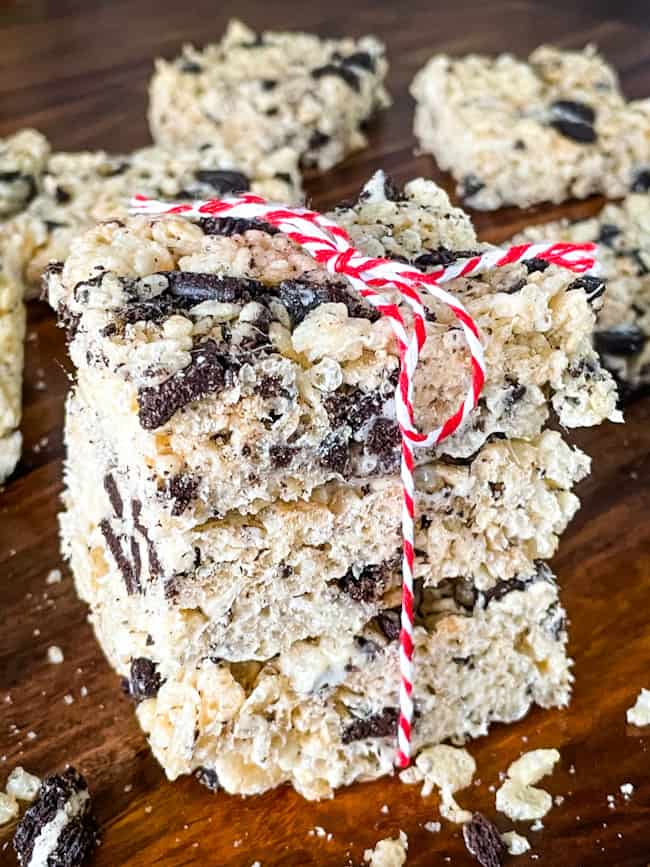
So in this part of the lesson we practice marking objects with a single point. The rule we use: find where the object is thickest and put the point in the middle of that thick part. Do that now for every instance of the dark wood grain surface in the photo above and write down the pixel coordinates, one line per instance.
(78, 71)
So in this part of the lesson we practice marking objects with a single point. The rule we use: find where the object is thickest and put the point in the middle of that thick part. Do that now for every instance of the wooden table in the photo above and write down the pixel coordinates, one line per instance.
(78, 71)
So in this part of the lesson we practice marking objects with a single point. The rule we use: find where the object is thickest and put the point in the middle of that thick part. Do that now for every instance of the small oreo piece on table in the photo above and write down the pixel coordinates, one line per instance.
(59, 829)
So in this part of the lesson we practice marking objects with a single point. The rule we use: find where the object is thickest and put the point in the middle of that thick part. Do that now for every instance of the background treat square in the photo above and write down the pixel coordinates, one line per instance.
(78, 189)
(622, 335)
(516, 132)
(23, 158)
(254, 93)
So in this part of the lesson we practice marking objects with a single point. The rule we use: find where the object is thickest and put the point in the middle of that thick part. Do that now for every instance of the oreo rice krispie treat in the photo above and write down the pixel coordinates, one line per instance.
(76, 190)
(236, 357)
(12, 333)
(516, 133)
(622, 335)
(23, 157)
(232, 489)
(254, 93)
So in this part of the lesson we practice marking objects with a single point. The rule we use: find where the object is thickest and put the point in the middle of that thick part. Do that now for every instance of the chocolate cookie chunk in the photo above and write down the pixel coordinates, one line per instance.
(59, 829)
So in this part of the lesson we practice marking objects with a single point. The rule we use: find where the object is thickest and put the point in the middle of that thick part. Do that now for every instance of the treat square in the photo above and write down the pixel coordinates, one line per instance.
(514, 132)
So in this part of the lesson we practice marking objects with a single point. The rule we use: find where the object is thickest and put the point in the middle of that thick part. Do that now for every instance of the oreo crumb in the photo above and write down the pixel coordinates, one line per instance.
(641, 182)
(155, 567)
(110, 486)
(574, 120)
(144, 680)
(228, 226)
(441, 257)
(204, 375)
(483, 841)
(196, 287)
(300, 297)
(608, 231)
(348, 75)
(536, 264)
(334, 454)
(367, 585)
(379, 725)
(182, 489)
(623, 340)
(223, 182)
(592, 286)
(389, 624)
(281, 456)
(208, 778)
(383, 440)
(114, 545)
(470, 186)
(351, 406)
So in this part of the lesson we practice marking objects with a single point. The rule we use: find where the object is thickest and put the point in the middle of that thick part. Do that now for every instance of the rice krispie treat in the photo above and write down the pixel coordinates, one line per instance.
(622, 335)
(156, 563)
(79, 189)
(239, 360)
(12, 333)
(254, 93)
(324, 713)
(516, 133)
(23, 157)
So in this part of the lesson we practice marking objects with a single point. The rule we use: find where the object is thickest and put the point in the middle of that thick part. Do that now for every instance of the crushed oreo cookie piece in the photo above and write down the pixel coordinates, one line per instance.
(59, 829)
(190, 67)
(155, 566)
(144, 680)
(464, 593)
(536, 264)
(110, 486)
(384, 438)
(470, 186)
(361, 59)
(228, 226)
(574, 120)
(196, 287)
(300, 297)
(389, 623)
(441, 257)
(334, 453)
(516, 391)
(208, 778)
(182, 490)
(608, 231)
(318, 139)
(621, 340)
(223, 182)
(281, 456)
(592, 286)
(483, 841)
(131, 581)
(69, 321)
(641, 182)
(204, 375)
(351, 406)
(502, 588)
(379, 725)
(367, 585)
(348, 75)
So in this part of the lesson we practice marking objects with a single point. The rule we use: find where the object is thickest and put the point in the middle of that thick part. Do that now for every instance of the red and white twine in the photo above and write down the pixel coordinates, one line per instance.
(330, 245)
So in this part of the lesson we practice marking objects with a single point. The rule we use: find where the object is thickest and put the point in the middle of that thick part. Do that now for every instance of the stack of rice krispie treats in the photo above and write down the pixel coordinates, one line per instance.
(232, 502)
